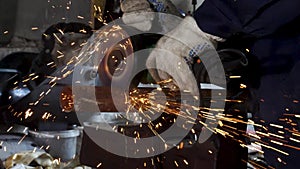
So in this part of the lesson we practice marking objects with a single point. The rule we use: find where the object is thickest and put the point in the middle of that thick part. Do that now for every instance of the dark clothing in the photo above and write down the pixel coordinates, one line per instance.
(275, 26)
(260, 18)
(270, 29)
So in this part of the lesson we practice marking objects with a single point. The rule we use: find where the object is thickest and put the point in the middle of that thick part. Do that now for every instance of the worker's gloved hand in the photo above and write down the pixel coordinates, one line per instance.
(136, 14)
(177, 48)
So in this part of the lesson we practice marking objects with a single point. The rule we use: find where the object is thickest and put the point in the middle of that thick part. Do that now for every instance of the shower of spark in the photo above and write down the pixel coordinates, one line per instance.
(148, 105)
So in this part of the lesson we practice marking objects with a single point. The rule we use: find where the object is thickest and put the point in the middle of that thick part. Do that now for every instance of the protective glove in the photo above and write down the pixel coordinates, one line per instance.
(136, 14)
(177, 48)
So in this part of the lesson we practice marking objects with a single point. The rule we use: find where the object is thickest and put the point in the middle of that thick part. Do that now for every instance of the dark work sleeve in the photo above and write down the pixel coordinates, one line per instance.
(256, 17)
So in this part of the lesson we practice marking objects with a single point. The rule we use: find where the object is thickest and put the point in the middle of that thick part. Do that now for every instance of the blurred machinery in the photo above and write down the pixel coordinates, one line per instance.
(30, 42)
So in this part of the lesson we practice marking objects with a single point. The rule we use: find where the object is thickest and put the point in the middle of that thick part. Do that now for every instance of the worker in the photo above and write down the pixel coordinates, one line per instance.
(269, 30)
